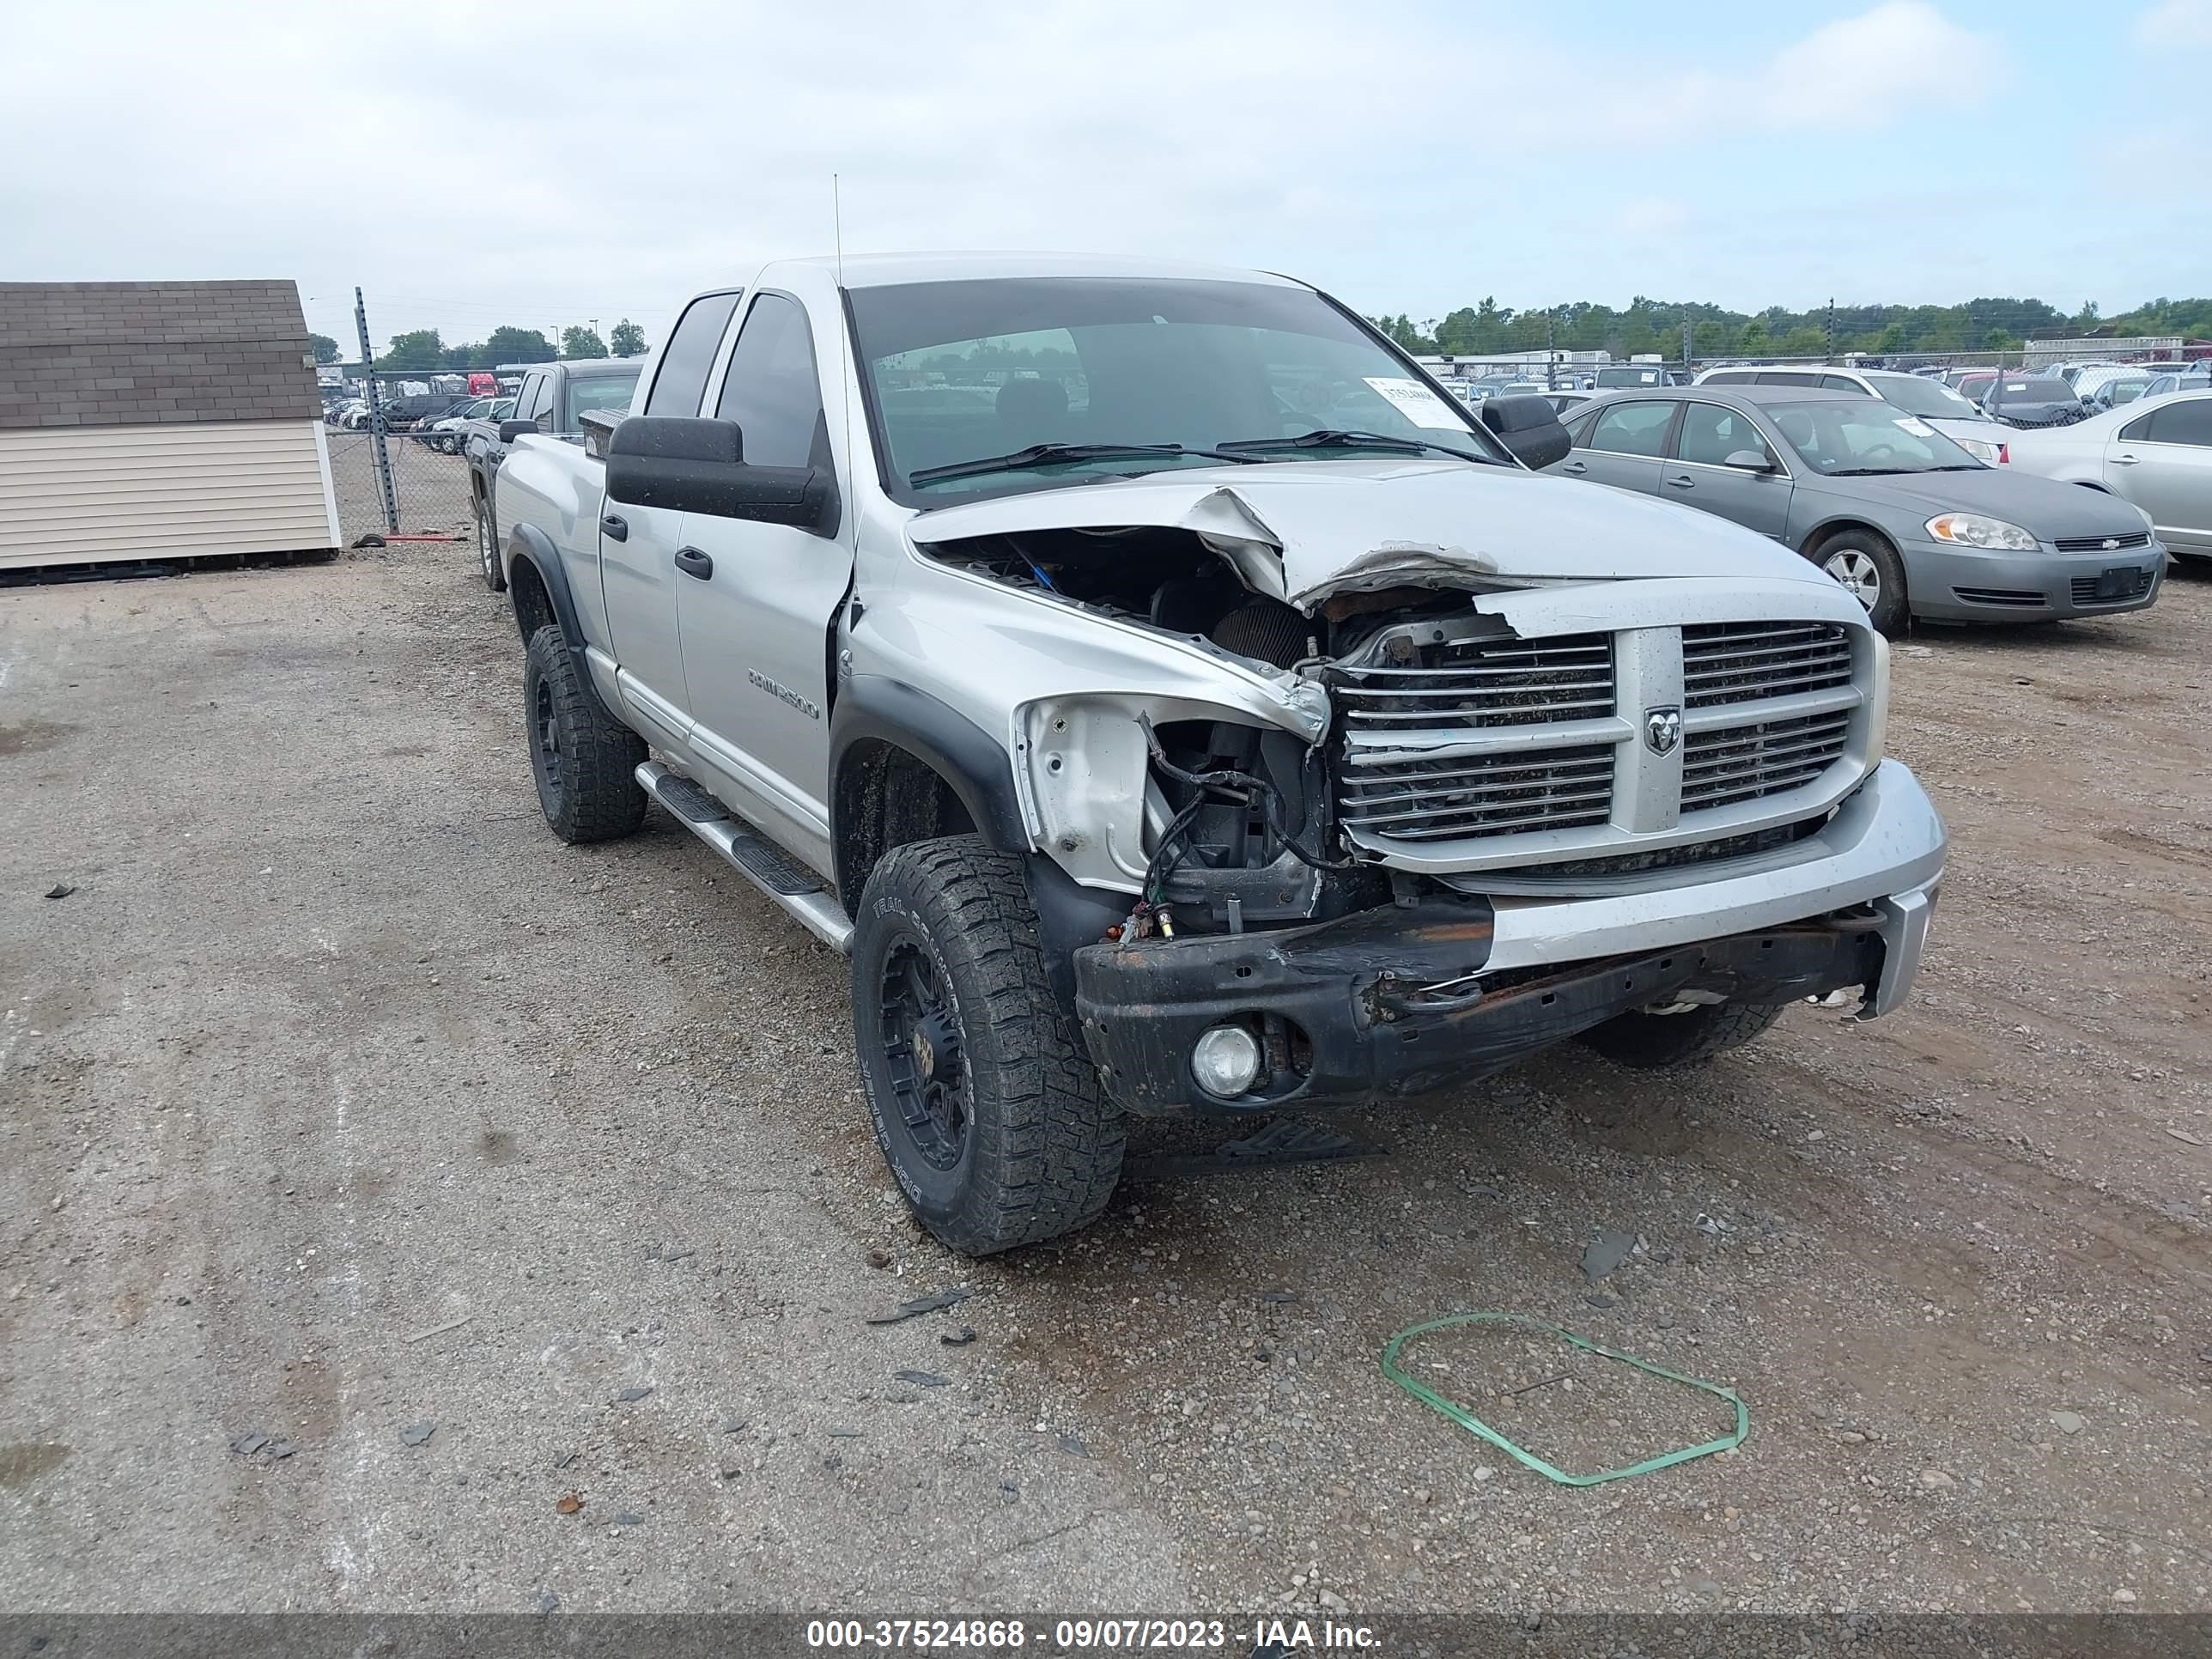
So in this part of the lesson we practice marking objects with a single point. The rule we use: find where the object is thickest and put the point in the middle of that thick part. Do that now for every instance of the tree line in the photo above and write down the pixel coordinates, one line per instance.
(422, 349)
(1648, 326)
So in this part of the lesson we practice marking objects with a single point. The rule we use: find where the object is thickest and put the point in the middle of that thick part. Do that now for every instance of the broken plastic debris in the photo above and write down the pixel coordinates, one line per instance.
(921, 1304)
(1607, 1250)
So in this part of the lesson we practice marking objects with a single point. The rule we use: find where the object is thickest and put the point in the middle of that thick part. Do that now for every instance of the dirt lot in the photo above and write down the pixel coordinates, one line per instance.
(340, 1100)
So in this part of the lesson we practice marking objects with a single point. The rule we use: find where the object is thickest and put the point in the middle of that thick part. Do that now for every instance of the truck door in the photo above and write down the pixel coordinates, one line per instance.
(638, 577)
(754, 602)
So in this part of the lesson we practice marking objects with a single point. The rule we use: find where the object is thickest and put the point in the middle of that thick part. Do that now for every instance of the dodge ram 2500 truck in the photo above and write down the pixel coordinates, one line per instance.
(1170, 699)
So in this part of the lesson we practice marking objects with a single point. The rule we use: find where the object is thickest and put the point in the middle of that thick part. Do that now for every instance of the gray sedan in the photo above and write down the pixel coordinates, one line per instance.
(1888, 506)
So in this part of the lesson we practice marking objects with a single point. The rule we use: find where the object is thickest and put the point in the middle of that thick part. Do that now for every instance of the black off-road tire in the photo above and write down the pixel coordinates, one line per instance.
(1040, 1146)
(488, 565)
(1668, 1043)
(584, 763)
(1891, 606)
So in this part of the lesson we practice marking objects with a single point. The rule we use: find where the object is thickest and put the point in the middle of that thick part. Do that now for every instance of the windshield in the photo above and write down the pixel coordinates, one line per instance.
(1862, 437)
(963, 372)
(609, 391)
(1915, 396)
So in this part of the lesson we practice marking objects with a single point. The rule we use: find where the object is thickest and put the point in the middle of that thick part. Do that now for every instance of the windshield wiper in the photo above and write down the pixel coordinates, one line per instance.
(1338, 438)
(1055, 455)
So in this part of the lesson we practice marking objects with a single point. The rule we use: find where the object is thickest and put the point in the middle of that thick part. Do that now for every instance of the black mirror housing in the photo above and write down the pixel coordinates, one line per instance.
(690, 466)
(1529, 427)
(510, 430)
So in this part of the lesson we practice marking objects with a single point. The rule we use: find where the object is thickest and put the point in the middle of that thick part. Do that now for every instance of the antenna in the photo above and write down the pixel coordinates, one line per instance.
(852, 364)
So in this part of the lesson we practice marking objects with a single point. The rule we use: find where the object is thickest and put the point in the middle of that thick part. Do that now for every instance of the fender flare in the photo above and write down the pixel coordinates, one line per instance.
(978, 768)
(527, 544)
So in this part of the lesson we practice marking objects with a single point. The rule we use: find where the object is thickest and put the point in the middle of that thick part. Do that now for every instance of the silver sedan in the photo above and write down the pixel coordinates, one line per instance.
(2155, 452)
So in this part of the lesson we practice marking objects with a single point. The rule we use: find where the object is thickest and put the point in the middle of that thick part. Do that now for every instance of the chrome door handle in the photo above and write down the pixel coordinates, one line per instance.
(1683, 483)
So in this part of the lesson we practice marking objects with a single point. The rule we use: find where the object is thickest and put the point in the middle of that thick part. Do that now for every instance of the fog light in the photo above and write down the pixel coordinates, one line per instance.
(1226, 1061)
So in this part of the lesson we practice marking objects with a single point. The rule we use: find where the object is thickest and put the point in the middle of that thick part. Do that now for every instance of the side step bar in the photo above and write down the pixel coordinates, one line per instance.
(758, 860)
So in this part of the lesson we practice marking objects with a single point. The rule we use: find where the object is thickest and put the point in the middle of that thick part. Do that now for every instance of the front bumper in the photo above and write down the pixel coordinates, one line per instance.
(1403, 1000)
(1948, 584)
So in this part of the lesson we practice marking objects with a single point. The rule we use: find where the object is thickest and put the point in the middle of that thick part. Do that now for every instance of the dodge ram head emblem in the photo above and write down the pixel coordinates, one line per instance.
(1662, 729)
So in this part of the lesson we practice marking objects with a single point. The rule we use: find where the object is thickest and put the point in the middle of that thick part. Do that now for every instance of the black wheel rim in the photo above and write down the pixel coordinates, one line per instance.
(925, 1055)
(548, 739)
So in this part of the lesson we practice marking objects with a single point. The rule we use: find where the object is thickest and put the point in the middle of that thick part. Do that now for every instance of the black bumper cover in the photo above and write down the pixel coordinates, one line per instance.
(1355, 990)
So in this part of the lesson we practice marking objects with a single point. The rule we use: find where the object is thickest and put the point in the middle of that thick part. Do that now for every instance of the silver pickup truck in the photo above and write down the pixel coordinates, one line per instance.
(1171, 700)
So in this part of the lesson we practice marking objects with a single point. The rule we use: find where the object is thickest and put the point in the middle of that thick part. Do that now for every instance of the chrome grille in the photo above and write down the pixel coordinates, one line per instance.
(1747, 762)
(1526, 748)
(1474, 684)
(1506, 794)
(1744, 662)
(1396, 708)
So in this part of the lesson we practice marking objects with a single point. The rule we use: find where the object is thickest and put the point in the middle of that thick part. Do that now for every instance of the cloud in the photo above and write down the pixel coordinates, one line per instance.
(2175, 26)
(1894, 57)
(468, 170)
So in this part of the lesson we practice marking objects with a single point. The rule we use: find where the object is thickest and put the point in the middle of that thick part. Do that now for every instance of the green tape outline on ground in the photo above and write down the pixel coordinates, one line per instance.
(1467, 1420)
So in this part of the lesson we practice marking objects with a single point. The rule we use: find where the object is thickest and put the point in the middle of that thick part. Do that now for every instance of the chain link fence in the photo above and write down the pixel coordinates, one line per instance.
(429, 487)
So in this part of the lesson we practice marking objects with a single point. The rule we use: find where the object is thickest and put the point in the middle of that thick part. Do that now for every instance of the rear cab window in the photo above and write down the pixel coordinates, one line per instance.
(688, 358)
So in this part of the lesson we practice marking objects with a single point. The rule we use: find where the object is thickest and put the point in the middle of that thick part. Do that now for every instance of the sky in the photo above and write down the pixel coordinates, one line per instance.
(469, 165)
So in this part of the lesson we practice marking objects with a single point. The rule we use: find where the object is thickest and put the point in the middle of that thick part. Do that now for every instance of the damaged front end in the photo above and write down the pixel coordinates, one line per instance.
(1395, 1001)
(1437, 805)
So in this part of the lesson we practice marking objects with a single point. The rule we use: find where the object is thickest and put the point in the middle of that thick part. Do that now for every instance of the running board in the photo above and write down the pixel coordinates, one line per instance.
(782, 878)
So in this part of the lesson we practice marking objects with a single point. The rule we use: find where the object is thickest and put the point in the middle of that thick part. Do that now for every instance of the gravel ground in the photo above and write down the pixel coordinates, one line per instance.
(379, 1175)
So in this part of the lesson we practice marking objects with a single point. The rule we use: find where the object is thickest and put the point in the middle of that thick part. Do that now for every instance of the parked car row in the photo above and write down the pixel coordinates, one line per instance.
(2071, 520)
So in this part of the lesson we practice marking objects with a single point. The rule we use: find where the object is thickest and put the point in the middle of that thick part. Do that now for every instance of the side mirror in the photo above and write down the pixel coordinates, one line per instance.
(510, 430)
(1529, 427)
(1750, 460)
(690, 466)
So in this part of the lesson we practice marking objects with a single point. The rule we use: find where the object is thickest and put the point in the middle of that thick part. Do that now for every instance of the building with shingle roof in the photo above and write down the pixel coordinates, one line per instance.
(158, 420)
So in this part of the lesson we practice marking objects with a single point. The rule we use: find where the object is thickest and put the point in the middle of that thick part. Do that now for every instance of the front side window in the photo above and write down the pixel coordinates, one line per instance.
(689, 356)
(1636, 428)
(2189, 422)
(1866, 438)
(772, 390)
(960, 372)
(1710, 434)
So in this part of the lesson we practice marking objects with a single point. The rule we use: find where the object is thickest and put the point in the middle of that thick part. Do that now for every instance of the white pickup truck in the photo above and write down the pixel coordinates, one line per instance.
(1172, 700)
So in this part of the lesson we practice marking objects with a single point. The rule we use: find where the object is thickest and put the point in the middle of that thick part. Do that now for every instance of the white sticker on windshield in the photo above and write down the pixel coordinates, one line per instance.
(1417, 403)
(1916, 427)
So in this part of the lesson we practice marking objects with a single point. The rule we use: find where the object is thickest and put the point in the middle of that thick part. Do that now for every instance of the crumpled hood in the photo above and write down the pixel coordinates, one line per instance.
(1301, 531)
